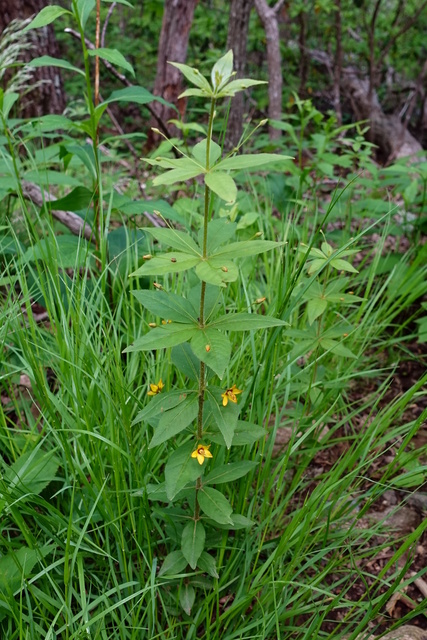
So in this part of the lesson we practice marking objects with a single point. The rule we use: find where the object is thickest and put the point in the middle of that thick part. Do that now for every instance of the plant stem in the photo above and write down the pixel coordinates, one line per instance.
(203, 287)
(202, 375)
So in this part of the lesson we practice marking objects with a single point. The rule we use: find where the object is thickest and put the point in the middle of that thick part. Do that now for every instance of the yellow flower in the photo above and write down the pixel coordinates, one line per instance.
(230, 394)
(201, 453)
(155, 388)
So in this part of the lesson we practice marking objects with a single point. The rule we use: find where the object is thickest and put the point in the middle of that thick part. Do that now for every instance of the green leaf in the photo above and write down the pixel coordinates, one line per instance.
(225, 418)
(231, 88)
(173, 564)
(178, 240)
(215, 505)
(207, 564)
(162, 337)
(50, 178)
(31, 473)
(199, 152)
(315, 308)
(79, 198)
(46, 16)
(164, 263)
(194, 76)
(84, 9)
(246, 248)
(185, 361)
(193, 541)
(222, 184)
(244, 433)
(9, 99)
(337, 348)
(343, 265)
(15, 567)
(222, 70)
(178, 175)
(219, 232)
(175, 420)
(187, 596)
(136, 94)
(229, 472)
(245, 322)
(48, 61)
(217, 271)
(217, 355)
(181, 469)
(167, 305)
(251, 161)
(198, 93)
(114, 56)
(160, 403)
(239, 522)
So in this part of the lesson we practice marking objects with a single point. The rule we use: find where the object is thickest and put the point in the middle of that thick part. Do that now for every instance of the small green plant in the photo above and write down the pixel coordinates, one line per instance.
(202, 419)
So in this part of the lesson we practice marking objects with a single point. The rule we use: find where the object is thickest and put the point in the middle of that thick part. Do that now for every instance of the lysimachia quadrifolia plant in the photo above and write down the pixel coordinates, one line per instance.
(204, 416)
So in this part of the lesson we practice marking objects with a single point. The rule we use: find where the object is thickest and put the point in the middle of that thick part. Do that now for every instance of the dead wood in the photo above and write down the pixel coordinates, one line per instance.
(387, 131)
(70, 219)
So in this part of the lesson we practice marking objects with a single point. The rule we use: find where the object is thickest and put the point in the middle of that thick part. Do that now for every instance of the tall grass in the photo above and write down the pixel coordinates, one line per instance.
(82, 546)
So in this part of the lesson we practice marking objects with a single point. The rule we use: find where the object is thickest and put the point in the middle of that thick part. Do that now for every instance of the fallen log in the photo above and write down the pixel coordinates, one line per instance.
(70, 219)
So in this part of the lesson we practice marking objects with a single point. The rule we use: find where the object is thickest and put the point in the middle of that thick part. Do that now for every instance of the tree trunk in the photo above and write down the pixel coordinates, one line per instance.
(268, 17)
(48, 96)
(173, 44)
(237, 39)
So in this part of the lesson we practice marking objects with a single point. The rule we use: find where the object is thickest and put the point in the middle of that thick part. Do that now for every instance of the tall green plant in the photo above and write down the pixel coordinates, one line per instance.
(197, 327)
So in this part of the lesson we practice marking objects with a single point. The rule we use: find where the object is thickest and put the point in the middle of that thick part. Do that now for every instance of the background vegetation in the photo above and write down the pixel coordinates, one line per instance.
(336, 500)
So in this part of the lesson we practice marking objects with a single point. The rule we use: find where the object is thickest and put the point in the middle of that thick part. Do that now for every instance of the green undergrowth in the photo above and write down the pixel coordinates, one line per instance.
(87, 545)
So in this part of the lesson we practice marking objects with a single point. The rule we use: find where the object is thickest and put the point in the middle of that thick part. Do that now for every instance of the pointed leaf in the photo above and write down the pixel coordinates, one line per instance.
(178, 240)
(168, 335)
(219, 232)
(246, 248)
(222, 70)
(215, 505)
(315, 308)
(185, 361)
(222, 184)
(178, 175)
(160, 403)
(337, 348)
(231, 88)
(136, 94)
(229, 472)
(213, 348)
(173, 564)
(225, 418)
(167, 305)
(175, 420)
(207, 564)
(343, 265)
(48, 61)
(244, 433)
(181, 469)
(199, 152)
(198, 93)
(164, 263)
(217, 271)
(193, 75)
(31, 473)
(46, 16)
(193, 542)
(187, 596)
(251, 161)
(245, 322)
(114, 56)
